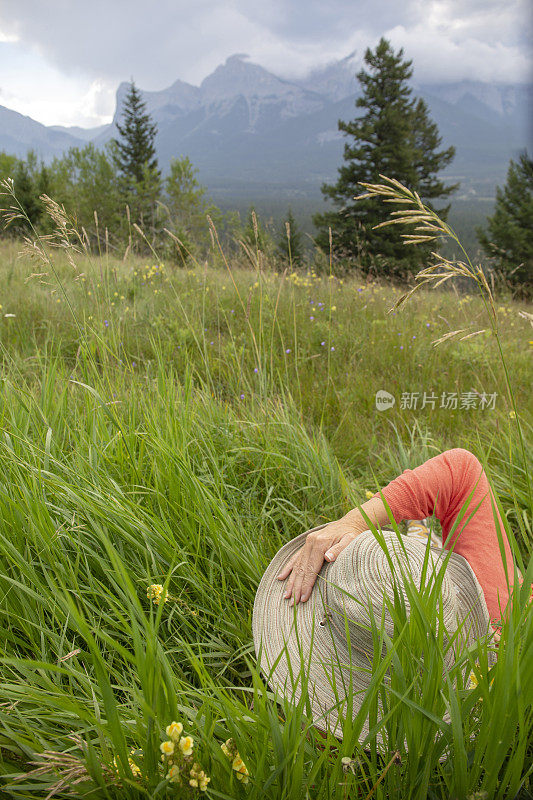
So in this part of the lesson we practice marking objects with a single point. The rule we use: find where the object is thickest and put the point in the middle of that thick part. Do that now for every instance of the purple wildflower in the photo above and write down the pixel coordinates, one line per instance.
(333, 348)
(322, 344)
(242, 397)
(311, 318)
(106, 322)
(255, 369)
(401, 347)
(133, 364)
(288, 350)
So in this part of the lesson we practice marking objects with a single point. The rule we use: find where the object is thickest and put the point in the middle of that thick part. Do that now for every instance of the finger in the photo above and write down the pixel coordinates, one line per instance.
(297, 570)
(314, 565)
(298, 573)
(285, 572)
(290, 569)
(334, 551)
(297, 588)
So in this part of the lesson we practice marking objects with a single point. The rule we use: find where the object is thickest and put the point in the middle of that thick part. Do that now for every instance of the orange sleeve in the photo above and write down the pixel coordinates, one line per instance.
(441, 486)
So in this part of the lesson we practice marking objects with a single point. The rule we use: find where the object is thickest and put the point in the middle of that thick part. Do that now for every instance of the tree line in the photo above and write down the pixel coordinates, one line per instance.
(117, 189)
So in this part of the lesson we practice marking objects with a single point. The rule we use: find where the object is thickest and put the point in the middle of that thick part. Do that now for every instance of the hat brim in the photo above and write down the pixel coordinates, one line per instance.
(282, 633)
(336, 678)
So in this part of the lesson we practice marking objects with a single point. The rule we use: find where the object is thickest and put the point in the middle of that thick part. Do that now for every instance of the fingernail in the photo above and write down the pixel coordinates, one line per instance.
(303, 598)
(291, 602)
(287, 594)
(329, 555)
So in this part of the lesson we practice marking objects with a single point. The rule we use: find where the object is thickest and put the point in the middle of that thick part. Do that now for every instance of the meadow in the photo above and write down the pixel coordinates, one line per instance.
(164, 430)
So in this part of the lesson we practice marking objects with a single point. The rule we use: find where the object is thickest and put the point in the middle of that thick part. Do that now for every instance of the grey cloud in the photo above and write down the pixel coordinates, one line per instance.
(157, 43)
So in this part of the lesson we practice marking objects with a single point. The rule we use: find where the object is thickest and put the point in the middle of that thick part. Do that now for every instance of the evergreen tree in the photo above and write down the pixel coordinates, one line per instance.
(26, 192)
(8, 166)
(396, 138)
(135, 157)
(290, 245)
(509, 238)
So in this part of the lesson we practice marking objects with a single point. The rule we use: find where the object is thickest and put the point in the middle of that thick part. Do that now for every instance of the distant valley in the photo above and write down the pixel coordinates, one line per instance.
(252, 134)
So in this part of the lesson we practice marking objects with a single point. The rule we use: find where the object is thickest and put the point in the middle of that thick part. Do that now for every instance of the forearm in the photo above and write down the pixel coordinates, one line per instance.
(374, 509)
(450, 484)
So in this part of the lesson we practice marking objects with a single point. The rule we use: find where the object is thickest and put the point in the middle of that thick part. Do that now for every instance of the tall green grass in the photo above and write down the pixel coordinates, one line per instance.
(130, 459)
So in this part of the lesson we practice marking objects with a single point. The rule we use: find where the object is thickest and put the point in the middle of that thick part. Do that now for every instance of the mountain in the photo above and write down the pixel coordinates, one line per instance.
(251, 132)
(86, 134)
(18, 134)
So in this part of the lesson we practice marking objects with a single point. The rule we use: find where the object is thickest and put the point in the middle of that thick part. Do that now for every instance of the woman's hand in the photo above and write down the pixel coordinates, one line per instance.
(307, 562)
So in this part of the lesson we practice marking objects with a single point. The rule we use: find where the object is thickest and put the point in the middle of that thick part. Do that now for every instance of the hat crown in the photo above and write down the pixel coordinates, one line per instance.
(364, 577)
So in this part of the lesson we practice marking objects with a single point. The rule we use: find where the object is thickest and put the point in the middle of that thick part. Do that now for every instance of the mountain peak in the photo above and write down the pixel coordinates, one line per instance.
(335, 80)
(239, 76)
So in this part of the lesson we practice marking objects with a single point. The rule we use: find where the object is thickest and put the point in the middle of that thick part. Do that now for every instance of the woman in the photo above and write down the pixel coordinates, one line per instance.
(319, 620)
(441, 486)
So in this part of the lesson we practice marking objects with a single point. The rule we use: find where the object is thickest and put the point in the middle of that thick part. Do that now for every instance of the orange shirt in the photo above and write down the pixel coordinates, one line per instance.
(441, 486)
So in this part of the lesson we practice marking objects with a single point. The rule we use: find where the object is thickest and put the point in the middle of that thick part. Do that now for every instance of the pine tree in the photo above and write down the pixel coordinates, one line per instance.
(135, 158)
(290, 245)
(509, 238)
(396, 138)
(27, 194)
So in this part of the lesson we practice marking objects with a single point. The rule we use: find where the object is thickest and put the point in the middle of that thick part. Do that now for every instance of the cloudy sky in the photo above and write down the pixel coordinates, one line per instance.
(62, 60)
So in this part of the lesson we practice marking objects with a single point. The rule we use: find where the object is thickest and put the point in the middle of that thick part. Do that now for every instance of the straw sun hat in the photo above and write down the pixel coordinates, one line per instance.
(332, 629)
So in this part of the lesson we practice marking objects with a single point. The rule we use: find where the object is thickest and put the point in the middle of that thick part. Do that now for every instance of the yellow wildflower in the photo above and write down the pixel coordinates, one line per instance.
(512, 414)
(133, 766)
(369, 494)
(238, 765)
(174, 731)
(198, 778)
(155, 592)
(186, 745)
(167, 748)
(173, 775)
(240, 768)
(225, 749)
